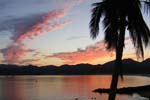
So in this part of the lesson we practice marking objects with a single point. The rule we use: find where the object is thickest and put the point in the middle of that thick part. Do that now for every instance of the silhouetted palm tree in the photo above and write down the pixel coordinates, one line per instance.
(117, 17)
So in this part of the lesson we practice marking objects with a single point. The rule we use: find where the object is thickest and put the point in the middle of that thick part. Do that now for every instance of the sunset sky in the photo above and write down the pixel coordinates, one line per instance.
(52, 32)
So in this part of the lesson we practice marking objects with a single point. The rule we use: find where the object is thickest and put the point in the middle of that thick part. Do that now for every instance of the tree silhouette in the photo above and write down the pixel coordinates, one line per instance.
(119, 16)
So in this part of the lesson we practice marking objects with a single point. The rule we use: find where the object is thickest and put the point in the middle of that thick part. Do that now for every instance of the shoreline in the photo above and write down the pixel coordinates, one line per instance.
(145, 75)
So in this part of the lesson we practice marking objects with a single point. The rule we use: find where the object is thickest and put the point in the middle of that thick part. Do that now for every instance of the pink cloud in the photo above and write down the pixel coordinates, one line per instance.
(40, 29)
(46, 24)
(91, 53)
(14, 52)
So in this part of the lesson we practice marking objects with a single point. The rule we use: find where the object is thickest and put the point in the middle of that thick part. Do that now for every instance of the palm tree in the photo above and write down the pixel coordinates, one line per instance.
(119, 16)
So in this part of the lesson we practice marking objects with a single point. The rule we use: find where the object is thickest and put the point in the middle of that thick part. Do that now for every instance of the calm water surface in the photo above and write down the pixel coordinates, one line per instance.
(63, 87)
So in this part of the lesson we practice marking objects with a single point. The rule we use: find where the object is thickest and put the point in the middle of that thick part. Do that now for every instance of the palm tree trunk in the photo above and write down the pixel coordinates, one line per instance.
(118, 62)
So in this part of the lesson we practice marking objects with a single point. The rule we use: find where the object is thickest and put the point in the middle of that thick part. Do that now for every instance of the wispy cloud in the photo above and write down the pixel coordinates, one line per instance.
(14, 52)
(46, 23)
(95, 53)
(87, 55)
(31, 27)
(34, 25)
(40, 29)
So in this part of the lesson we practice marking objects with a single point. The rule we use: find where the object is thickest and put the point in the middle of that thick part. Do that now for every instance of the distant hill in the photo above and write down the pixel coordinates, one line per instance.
(129, 67)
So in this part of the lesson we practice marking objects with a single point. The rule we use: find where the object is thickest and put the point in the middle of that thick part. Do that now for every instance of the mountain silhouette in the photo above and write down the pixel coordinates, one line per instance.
(129, 67)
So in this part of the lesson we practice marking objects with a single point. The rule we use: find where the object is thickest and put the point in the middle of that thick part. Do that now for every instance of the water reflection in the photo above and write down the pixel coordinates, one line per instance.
(62, 87)
(138, 92)
(14, 88)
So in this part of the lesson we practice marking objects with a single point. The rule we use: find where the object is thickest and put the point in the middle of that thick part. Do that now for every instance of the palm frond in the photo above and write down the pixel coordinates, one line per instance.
(112, 11)
(111, 30)
(111, 25)
(139, 31)
(97, 12)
